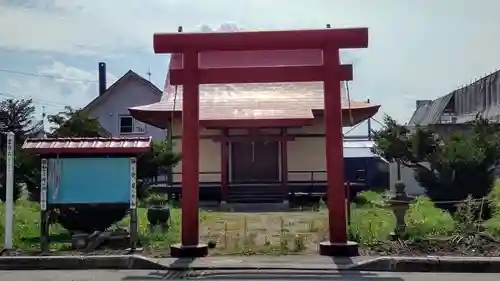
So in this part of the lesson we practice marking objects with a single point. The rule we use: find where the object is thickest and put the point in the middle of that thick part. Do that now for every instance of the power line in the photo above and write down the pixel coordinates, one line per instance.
(36, 101)
(46, 76)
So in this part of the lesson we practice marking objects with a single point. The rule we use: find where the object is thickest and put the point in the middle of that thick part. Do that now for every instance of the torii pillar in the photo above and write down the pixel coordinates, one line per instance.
(331, 73)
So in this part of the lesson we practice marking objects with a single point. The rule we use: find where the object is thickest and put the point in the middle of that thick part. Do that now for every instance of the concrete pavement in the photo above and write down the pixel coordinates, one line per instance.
(221, 275)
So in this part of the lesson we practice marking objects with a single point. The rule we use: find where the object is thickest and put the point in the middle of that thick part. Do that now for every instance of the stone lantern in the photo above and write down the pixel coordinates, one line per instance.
(400, 203)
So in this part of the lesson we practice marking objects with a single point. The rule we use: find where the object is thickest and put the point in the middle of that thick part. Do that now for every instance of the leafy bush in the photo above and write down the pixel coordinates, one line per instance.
(448, 167)
(17, 192)
(371, 198)
(370, 225)
(493, 226)
(424, 219)
(494, 197)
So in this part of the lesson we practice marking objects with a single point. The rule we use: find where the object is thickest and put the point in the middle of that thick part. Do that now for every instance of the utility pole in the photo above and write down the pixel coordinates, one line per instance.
(9, 191)
(43, 120)
(369, 123)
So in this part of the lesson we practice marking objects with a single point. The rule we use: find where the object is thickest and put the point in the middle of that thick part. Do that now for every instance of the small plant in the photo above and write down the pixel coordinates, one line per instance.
(266, 241)
(468, 215)
(311, 226)
(299, 243)
(236, 241)
(423, 220)
(250, 240)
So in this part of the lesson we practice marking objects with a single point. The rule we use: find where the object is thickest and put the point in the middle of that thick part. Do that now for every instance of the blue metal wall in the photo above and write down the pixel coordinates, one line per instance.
(89, 180)
(363, 166)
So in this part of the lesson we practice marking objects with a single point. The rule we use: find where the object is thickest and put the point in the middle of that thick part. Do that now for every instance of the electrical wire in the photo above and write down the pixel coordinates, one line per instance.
(172, 113)
(45, 76)
(351, 119)
(351, 129)
(36, 101)
(378, 122)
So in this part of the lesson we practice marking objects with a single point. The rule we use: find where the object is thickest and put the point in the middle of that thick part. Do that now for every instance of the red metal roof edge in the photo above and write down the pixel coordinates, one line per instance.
(89, 151)
(28, 145)
(90, 139)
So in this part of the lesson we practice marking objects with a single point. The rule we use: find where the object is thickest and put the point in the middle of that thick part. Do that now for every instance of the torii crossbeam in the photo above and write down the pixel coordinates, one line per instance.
(331, 73)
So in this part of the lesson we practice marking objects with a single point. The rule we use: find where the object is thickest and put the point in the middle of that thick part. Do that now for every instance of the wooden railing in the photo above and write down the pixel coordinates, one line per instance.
(309, 177)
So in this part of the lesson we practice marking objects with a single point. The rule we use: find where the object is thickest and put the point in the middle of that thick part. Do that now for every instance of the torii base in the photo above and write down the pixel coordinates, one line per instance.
(349, 249)
(181, 251)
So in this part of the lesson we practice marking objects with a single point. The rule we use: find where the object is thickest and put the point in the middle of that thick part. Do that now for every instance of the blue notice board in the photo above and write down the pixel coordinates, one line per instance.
(89, 180)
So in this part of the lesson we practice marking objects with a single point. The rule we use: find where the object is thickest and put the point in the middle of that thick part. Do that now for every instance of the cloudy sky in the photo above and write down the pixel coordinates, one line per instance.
(418, 49)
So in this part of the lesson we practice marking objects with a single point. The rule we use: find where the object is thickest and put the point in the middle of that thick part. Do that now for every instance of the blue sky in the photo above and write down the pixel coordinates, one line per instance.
(418, 49)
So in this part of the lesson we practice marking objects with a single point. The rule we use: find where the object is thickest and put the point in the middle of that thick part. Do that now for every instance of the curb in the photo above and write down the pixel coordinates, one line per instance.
(431, 264)
(128, 262)
(137, 262)
(78, 263)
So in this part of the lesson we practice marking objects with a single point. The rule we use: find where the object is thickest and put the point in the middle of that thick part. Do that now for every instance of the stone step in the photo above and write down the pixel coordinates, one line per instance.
(255, 197)
(257, 200)
(256, 206)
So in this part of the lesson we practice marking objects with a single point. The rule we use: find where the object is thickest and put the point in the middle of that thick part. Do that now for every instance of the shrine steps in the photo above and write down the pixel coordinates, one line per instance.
(255, 193)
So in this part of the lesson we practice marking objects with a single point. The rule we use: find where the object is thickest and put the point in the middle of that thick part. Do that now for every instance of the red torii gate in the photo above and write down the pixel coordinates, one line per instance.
(331, 73)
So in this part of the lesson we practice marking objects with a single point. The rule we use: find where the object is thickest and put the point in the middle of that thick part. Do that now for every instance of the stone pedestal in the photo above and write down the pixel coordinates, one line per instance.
(400, 204)
(348, 249)
(195, 251)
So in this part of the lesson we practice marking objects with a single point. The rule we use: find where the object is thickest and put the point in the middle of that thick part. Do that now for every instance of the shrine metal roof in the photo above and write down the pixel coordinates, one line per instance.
(122, 145)
(268, 101)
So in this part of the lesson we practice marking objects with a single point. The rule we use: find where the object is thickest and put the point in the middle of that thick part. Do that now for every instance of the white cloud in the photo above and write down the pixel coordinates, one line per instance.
(74, 87)
(95, 26)
(418, 49)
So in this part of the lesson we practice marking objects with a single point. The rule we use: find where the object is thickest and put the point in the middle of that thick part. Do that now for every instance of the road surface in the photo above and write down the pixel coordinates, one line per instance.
(221, 275)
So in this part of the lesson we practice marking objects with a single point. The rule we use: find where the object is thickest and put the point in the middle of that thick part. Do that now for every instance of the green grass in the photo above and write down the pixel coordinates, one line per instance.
(27, 229)
(372, 221)
(158, 241)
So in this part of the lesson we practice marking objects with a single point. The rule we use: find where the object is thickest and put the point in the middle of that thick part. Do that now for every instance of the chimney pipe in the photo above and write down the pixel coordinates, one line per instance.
(102, 78)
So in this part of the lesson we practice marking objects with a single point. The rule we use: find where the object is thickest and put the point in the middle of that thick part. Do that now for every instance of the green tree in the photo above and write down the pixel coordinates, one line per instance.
(449, 168)
(154, 163)
(19, 119)
(75, 123)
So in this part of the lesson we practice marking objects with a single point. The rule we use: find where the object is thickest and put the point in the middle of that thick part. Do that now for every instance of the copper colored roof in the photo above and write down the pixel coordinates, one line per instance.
(124, 145)
(222, 103)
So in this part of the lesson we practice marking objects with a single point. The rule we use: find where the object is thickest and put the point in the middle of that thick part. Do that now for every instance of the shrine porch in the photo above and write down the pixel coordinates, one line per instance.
(259, 192)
